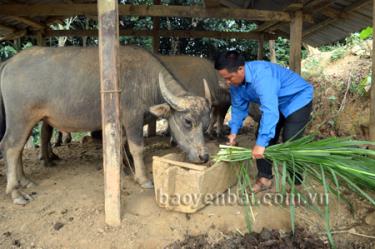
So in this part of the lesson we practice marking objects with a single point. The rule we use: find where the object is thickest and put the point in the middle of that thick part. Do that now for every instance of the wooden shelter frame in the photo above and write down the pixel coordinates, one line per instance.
(108, 11)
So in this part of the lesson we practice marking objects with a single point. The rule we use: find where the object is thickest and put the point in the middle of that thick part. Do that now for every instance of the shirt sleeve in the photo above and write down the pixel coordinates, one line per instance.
(239, 111)
(267, 88)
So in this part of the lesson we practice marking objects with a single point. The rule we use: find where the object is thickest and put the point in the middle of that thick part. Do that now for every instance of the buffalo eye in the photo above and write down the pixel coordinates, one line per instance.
(188, 123)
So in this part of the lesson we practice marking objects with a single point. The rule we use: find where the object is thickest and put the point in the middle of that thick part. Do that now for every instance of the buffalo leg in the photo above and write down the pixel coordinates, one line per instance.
(63, 138)
(211, 125)
(58, 139)
(220, 116)
(151, 128)
(13, 144)
(46, 152)
(136, 147)
(67, 137)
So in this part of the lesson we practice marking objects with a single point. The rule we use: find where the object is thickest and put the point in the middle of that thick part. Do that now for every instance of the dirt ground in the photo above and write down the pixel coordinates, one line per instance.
(68, 209)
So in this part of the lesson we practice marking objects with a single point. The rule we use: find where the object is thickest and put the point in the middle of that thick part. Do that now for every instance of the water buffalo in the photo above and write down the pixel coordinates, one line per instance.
(61, 87)
(189, 71)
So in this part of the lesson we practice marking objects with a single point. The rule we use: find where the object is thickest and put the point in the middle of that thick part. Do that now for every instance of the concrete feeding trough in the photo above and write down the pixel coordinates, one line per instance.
(187, 187)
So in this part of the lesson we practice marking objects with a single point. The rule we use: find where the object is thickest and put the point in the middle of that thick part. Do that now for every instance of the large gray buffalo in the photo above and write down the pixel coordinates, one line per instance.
(190, 71)
(61, 87)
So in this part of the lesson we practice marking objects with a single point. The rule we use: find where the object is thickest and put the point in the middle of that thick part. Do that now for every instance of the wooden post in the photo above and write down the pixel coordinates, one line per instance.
(155, 31)
(260, 47)
(372, 93)
(40, 39)
(110, 108)
(151, 127)
(17, 44)
(296, 42)
(272, 46)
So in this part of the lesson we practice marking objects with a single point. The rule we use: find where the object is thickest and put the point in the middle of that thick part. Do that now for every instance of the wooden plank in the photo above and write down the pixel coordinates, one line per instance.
(144, 10)
(317, 4)
(110, 108)
(180, 164)
(167, 33)
(372, 91)
(230, 4)
(296, 42)
(355, 6)
(28, 22)
(332, 13)
(211, 3)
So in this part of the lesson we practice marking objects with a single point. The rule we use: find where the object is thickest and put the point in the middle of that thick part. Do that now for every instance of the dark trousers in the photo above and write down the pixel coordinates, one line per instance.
(291, 127)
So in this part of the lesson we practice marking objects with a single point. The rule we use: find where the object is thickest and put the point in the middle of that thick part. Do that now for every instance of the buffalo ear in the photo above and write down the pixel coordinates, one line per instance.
(161, 111)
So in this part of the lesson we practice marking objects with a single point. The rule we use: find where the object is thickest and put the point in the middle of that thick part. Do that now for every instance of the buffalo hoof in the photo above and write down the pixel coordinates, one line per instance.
(26, 183)
(147, 185)
(20, 198)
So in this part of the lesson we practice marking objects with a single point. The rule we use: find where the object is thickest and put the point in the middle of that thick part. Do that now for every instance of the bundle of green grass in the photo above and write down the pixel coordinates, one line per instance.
(334, 163)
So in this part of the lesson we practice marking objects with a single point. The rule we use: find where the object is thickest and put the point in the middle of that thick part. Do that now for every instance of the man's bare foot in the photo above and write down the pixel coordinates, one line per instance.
(262, 184)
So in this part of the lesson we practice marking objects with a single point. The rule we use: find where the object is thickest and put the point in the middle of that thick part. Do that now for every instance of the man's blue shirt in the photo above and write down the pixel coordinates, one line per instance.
(275, 89)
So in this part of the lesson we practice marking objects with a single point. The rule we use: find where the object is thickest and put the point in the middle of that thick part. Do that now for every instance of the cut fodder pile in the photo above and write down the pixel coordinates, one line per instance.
(266, 239)
(333, 163)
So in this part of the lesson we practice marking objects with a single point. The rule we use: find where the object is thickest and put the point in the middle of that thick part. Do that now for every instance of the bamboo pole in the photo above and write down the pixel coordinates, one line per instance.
(110, 108)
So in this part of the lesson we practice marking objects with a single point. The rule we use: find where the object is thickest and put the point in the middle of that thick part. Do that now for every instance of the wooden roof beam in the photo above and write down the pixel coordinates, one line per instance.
(7, 28)
(355, 6)
(28, 22)
(268, 25)
(167, 33)
(211, 4)
(315, 5)
(230, 4)
(13, 36)
(144, 10)
(333, 13)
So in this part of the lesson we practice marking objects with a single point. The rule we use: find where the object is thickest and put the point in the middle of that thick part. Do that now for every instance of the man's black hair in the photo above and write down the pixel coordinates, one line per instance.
(230, 60)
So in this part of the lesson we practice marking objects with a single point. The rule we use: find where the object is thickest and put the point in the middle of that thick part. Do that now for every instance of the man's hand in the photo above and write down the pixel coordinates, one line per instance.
(232, 140)
(258, 152)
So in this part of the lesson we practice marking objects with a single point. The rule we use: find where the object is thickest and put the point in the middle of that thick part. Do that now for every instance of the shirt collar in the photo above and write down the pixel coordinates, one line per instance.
(248, 74)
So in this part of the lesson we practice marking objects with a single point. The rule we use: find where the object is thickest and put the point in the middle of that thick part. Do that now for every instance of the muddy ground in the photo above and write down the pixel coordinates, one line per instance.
(68, 209)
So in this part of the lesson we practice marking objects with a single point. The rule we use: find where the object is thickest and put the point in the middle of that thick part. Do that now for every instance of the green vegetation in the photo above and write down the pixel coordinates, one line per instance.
(334, 163)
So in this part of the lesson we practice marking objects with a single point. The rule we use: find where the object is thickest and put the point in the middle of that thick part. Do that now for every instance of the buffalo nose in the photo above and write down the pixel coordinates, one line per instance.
(204, 158)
